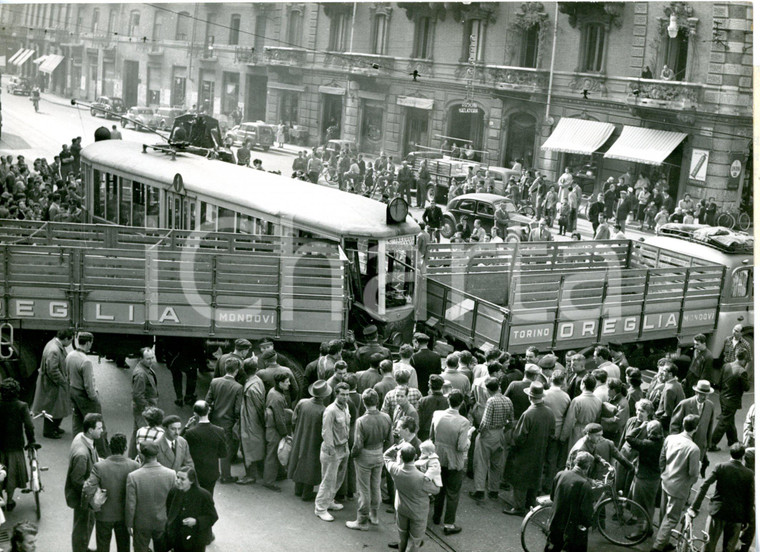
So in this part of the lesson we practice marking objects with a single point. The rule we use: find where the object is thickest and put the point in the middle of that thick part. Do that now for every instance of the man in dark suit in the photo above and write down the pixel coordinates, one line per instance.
(701, 366)
(144, 392)
(147, 490)
(405, 180)
(595, 208)
(733, 383)
(700, 406)
(111, 476)
(572, 507)
(82, 457)
(242, 351)
(732, 504)
(207, 445)
(372, 346)
(224, 398)
(424, 361)
(173, 450)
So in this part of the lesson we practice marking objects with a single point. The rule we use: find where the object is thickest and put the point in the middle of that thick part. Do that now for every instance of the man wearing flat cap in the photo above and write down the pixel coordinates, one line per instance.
(600, 448)
(530, 441)
(304, 466)
(372, 346)
(269, 359)
(242, 351)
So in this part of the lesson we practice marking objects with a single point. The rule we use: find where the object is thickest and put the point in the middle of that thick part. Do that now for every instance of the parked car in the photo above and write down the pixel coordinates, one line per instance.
(466, 208)
(20, 86)
(140, 118)
(256, 134)
(165, 117)
(107, 106)
(501, 176)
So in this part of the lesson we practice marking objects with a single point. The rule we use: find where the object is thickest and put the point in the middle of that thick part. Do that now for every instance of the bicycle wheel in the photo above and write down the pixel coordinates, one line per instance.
(622, 521)
(725, 219)
(37, 504)
(535, 529)
(744, 222)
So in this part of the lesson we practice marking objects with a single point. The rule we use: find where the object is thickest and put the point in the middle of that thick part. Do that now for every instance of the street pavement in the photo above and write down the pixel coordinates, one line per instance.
(276, 522)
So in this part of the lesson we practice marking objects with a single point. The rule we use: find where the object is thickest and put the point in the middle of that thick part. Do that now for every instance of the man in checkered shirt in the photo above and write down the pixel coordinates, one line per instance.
(391, 400)
(489, 444)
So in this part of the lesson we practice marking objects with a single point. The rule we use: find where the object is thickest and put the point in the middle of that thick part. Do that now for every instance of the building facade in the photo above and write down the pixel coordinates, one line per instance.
(401, 77)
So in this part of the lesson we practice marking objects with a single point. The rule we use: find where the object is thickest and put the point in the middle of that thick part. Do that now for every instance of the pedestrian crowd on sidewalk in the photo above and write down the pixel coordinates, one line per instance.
(407, 432)
(50, 191)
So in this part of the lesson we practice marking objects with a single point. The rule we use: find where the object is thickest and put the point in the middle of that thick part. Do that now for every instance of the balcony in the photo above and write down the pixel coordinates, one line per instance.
(286, 57)
(521, 79)
(248, 56)
(678, 96)
(367, 65)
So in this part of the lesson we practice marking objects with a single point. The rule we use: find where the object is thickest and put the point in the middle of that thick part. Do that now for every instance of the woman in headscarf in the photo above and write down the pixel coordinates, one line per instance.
(190, 514)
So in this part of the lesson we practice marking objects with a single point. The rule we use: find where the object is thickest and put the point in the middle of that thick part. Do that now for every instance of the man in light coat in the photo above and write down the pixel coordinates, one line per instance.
(584, 409)
(147, 491)
(52, 391)
(252, 426)
(110, 475)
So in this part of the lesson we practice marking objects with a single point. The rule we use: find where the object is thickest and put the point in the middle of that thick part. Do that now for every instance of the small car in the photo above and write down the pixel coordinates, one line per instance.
(20, 86)
(464, 209)
(140, 118)
(256, 134)
(165, 117)
(107, 106)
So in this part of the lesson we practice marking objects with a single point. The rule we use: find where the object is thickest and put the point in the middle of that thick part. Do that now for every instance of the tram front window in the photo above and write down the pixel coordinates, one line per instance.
(399, 255)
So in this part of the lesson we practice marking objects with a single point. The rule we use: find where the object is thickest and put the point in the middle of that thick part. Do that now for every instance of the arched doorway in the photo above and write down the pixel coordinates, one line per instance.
(466, 123)
(521, 138)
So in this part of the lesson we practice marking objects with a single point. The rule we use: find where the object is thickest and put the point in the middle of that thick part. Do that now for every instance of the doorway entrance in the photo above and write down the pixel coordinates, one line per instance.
(415, 129)
(255, 98)
(521, 139)
(371, 137)
(467, 126)
(332, 114)
(129, 83)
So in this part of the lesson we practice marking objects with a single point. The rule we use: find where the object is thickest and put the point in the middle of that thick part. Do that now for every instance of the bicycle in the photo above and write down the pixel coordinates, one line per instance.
(614, 517)
(685, 540)
(35, 481)
(734, 219)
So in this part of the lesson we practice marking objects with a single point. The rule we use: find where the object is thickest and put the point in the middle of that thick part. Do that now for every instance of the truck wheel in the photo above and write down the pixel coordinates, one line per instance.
(512, 238)
(448, 228)
(93, 113)
(297, 370)
(430, 194)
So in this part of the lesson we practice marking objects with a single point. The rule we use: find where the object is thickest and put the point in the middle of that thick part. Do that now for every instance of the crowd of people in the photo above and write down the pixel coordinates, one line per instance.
(404, 432)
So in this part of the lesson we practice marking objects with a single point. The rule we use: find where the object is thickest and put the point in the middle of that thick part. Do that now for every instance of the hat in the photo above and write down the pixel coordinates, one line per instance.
(419, 336)
(241, 344)
(592, 428)
(547, 362)
(531, 368)
(535, 391)
(320, 389)
(703, 386)
(269, 355)
(611, 179)
(370, 331)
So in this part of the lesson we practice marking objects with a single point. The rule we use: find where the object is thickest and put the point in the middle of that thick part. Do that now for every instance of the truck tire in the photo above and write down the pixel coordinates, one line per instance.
(512, 238)
(430, 194)
(297, 370)
(449, 227)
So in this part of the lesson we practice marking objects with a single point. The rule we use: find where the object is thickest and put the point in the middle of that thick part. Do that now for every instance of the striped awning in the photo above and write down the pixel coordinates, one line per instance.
(644, 145)
(23, 58)
(16, 55)
(578, 136)
(52, 61)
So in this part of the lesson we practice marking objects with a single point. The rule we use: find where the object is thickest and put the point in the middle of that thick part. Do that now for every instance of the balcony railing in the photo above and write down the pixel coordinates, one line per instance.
(667, 94)
(523, 79)
(289, 57)
(247, 55)
(368, 65)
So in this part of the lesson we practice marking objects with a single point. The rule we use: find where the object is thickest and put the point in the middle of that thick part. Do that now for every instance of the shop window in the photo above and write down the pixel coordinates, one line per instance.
(474, 43)
(338, 32)
(95, 20)
(153, 207)
(295, 28)
(379, 33)
(422, 37)
(592, 44)
(134, 23)
(183, 26)
(529, 47)
(235, 29)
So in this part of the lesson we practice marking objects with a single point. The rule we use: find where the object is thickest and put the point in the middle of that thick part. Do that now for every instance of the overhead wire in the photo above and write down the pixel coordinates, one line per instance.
(374, 65)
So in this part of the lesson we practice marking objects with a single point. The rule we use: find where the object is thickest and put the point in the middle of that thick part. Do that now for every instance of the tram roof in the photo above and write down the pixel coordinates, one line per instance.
(326, 210)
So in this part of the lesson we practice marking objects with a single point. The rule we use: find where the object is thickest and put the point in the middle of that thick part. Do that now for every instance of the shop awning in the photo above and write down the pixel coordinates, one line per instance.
(644, 145)
(39, 60)
(52, 61)
(16, 55)
(23, 58)
(578, 136)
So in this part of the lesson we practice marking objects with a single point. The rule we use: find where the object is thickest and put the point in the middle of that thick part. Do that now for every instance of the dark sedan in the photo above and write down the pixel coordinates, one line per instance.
(464, 209)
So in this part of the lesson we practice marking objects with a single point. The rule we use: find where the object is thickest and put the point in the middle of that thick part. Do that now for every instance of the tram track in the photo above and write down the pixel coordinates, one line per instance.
(439, 540)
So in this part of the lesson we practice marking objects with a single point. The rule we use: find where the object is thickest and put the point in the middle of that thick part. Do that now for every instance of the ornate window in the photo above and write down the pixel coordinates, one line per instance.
(526, 35)
(379, 33)
(423, 33)
(295, 26)
(95, 20)
(529, 47)
(339, 29)
(235, 29)
(675, 51)
(183, 26)
(592, 48)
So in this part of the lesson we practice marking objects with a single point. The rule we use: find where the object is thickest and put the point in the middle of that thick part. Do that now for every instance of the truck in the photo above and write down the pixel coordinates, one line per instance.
(559, 296)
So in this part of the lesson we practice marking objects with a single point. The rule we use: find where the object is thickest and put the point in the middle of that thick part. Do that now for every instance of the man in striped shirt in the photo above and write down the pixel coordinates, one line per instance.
(391, 398)
(499, 414)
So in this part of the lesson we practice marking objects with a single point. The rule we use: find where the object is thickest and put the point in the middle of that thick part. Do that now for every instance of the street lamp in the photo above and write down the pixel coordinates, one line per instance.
(673, 26)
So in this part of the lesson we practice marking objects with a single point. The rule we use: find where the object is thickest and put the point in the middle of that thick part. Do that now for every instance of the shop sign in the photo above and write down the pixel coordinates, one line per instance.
(698, 166)
(735, 169)
(468, 107)
(411, 101)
